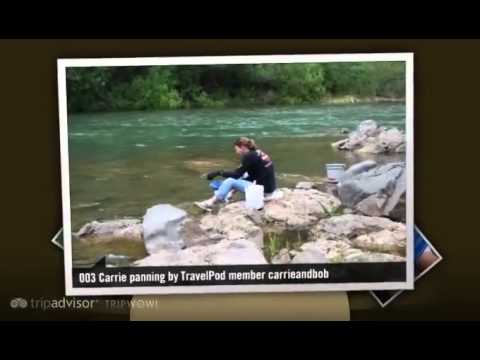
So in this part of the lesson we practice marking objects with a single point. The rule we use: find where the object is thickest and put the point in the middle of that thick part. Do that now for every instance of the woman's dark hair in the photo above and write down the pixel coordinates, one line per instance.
(246, 142)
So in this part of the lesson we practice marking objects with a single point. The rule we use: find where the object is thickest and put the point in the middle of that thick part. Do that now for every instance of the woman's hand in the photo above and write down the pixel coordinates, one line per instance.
(213, 174)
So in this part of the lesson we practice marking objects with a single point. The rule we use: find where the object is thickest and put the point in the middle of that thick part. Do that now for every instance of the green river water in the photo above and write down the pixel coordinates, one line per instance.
(123, 163)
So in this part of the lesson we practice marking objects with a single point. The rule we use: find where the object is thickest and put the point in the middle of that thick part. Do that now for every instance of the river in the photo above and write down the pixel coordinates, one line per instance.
(123, 163)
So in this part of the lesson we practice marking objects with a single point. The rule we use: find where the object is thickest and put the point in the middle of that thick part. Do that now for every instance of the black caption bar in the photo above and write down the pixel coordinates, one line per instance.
(239, 275)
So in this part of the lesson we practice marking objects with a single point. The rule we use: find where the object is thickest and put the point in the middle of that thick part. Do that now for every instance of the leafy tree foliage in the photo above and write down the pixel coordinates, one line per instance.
(93, 89)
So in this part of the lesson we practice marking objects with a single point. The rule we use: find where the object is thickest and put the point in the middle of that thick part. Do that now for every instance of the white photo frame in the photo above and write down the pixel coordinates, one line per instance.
(64, 64)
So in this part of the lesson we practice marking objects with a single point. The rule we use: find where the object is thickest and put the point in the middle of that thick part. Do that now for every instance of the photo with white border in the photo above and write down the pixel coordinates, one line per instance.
(427, 257)
(147, 151)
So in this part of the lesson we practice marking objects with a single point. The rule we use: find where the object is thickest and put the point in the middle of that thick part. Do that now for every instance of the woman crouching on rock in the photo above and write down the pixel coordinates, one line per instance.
(256, 166)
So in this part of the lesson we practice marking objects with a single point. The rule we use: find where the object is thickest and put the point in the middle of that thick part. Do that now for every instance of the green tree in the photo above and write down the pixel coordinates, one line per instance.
(172, 87)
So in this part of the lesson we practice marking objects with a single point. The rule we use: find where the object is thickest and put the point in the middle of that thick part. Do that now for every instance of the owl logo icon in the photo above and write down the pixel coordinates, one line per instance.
(18, 303)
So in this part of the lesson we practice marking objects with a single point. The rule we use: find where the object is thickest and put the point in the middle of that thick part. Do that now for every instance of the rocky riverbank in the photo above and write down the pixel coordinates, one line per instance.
(361, 219)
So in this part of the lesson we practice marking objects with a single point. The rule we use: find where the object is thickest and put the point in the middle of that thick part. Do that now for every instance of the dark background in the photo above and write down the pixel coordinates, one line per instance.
(447, 82)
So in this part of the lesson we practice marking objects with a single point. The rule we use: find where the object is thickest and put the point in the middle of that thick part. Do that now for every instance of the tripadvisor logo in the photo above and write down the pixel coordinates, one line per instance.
(20, 303)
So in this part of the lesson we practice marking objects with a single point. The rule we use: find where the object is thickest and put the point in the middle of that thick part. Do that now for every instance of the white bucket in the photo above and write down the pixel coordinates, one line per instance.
(335, 171)
(254, 197)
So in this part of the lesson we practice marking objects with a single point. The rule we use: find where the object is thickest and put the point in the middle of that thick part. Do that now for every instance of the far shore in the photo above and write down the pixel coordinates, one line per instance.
(350, 99)
(331, 100)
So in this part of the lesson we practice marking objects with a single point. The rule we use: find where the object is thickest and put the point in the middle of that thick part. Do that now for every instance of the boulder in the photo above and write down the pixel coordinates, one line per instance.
(371, 139)
(358, 238)
(233, 222)
(341, 252)
(353, 238)
(299, 208)
(391, 241)
(368, 128)
(239, 252)
(377, 192)
(225, 252)
(192, 234)
(161, 225)
(357, 169)
(390, 140)
(105, 231)
(350, 226)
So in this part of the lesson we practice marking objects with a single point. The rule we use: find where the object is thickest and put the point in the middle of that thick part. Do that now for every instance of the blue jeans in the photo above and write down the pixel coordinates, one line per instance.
(231, 184)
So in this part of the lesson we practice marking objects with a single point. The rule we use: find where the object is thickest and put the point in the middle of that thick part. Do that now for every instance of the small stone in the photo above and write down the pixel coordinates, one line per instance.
(310, 255)
(340, 144)
(283, 257)
(306, 185)
(106, 231)
(400, 149)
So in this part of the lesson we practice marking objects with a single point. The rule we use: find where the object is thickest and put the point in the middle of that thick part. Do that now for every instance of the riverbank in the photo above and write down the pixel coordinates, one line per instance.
(228, 104)
(308, 223)
(351, 99)
(272, 100)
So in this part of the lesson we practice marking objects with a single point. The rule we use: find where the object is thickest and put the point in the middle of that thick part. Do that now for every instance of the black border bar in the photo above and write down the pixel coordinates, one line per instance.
(329, 274)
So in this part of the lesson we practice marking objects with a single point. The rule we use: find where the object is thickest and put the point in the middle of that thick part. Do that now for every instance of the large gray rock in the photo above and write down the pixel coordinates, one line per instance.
(357, 169)
(106, 231)
(371, 139)
(377, 192)
(161, 225)
(225, 252)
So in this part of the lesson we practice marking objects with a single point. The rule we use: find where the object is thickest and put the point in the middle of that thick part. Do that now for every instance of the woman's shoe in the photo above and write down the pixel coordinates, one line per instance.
(204, 205)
